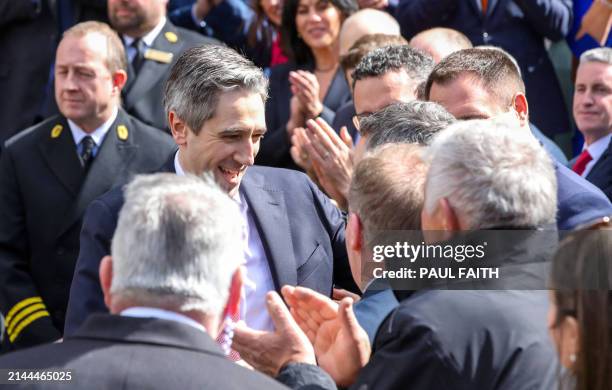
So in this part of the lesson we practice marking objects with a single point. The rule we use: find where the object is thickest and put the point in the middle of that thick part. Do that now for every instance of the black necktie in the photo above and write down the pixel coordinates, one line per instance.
(87, 148)
(138, 59)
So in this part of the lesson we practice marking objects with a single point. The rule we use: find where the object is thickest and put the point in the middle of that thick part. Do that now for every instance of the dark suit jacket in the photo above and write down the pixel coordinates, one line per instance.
(27, 42)
(301, 231)
(43, 196)
(601, 173)
(518, 26)
(344, 117)
(374, 306)
(276, 144)
(115, 352)
(143, 94)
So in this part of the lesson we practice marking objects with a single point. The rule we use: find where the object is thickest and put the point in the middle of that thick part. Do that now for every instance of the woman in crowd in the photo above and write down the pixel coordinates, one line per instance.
(263, 37)
(311, 84)
(580, 316)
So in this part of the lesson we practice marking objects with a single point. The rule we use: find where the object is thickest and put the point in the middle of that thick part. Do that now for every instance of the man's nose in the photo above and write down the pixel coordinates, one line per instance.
(246, 153)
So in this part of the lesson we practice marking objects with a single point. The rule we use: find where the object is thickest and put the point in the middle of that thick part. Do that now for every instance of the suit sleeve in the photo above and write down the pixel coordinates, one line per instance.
(550, 18)
(27, 320)
(417, 15)
(336, 222)
(16, 11)
(85, 292)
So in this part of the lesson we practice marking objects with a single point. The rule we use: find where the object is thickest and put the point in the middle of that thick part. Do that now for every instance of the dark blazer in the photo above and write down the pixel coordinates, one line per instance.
(276, 144)
(601, 173)
(518, 26)
(344, 117)
(374, 306)
(143, 94)
(115, 352)
(43, 195)
(301, 231)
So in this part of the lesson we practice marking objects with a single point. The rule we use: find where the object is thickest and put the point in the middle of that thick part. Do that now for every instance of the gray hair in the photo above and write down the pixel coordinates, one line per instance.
(378, 62)
(177, 241)
(599, 54)
(414, 122)
(201, 74)
(492, 174)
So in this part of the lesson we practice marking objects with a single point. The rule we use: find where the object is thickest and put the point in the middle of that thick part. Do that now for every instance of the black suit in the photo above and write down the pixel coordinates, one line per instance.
(44, 192)
(276, 144)
(144, 92)
(115, 352)
(301, 231)
(601, 173)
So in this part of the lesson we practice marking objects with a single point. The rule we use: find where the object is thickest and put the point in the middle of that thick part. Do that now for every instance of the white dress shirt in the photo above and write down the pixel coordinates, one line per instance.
(257, 276)
(596, 150)
(147, 39)
(153, 312)
(97, 135)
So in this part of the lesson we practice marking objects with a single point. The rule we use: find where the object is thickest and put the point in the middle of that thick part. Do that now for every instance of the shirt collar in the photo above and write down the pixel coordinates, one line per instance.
(153, 312)
(597, 148)
(98, 134)
(149, 37)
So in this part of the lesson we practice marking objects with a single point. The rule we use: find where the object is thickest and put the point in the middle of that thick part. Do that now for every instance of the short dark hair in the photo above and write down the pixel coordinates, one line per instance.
(366, 44)
(414, 122)
(393, 58)
(493, 68)
(293, 45)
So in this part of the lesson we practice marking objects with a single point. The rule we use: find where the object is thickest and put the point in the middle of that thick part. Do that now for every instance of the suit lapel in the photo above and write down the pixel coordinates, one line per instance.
(151, 71)
(107, 167)
(269, 212)
(335, 90)
(600, 162)
(61, 156)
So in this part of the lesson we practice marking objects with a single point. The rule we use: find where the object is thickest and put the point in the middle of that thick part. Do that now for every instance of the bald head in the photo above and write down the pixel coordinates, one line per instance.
(440, 42)
(365, 22)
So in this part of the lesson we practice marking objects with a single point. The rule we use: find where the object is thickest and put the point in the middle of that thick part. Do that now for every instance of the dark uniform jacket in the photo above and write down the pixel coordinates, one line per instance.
(115, 352)
(601, 173)
(144, 92)
(302, 234)
(43, 195)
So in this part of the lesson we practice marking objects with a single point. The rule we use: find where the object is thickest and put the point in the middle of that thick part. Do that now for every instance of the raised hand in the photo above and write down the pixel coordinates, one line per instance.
(305, 86)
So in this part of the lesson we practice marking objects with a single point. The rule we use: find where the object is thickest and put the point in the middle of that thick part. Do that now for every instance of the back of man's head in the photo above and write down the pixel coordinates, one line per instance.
(415, 122)
(365, 45)
(492, 175)
(201, 74)
(176, 244)
(491, 68)
(366, 22)
(386, 191)
(393, 59)
(439, 42)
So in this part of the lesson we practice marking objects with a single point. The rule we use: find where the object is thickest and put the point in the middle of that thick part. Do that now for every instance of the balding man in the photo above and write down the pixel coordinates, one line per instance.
(593, 116)
(440, 42)
(364, 22)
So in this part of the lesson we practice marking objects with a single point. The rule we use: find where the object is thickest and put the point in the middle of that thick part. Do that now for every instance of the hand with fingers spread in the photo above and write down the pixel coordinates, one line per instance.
(331, 157)
(339, 294)
(268, 352)
(342, 346)
(305, 86)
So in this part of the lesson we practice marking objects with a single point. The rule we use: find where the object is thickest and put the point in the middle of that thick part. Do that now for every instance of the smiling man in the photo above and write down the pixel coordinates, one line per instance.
(293, 235)
(593, 115)
(52, 171)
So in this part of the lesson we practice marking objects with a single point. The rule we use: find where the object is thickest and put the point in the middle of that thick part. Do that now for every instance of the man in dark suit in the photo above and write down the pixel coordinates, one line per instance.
(165, 317)
(593, 115)
(517, 26)
(30, 32)
(152, 45)
(50, 172)
(483, 83)
(215, 104)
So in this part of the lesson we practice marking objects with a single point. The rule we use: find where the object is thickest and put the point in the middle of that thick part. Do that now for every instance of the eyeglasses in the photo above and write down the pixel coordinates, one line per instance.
(357, 119)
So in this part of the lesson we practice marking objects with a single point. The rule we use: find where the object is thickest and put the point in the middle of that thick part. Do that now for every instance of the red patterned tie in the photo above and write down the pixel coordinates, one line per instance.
(582, 161)
(227, 334)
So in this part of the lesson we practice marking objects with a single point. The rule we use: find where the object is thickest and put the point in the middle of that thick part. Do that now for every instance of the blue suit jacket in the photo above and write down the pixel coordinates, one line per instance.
(518, 26)
(301, 231)
(601, 173)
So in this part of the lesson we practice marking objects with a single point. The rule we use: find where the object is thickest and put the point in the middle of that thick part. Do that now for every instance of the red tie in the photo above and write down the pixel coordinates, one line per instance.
(582, 161)
(485, 4)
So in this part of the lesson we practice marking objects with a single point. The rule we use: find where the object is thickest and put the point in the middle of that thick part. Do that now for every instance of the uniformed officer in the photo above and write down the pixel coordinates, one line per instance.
(152, 44)
(50, 172)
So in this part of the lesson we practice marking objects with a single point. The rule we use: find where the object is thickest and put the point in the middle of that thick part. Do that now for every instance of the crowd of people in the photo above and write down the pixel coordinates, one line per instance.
(199, 194)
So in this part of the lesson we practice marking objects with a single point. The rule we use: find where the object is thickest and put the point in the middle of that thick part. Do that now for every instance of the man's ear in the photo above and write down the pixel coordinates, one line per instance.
(520, 105)
(106, 279)
(119, 79)
(450, 220)
(354, 233)
(178, 128)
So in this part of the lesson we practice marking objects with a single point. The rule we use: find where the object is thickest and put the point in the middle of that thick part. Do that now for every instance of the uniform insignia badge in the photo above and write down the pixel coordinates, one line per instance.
(56, 131)
(158, 55)
(122, 132)
(171, 37)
